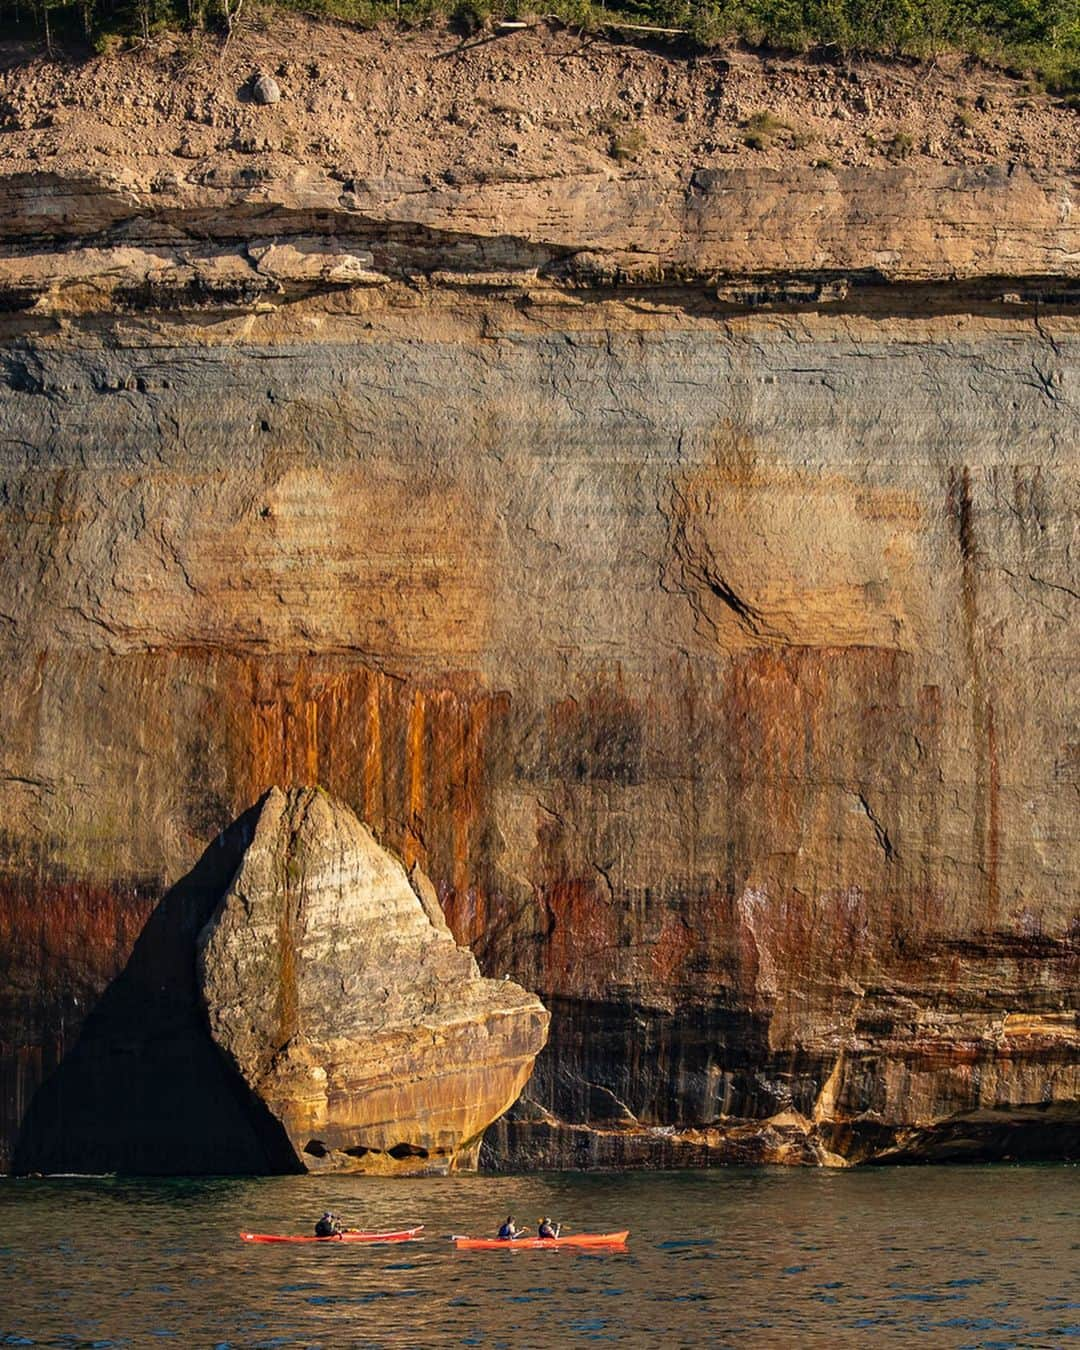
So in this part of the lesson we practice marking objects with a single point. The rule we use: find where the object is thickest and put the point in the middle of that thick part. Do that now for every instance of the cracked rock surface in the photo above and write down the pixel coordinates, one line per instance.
(676, 559)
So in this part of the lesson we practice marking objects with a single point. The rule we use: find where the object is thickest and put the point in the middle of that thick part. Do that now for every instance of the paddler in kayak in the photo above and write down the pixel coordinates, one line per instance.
(509, 1231)
(329, 1226)
(547, 1229)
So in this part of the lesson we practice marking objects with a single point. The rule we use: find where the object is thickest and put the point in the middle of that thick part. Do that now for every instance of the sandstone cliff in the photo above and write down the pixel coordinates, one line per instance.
(334, 987)
(670, 546)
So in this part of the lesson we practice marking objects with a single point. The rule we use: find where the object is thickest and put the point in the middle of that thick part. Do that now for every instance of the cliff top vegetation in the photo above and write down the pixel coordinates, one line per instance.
(1040, 38)
(536, 105)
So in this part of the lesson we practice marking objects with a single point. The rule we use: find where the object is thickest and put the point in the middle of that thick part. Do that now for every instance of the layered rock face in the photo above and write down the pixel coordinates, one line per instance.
(334, 987)
(677, 562)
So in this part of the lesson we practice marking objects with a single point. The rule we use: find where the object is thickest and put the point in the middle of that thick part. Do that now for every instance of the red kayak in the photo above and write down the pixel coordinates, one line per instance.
(531, 1244)
(403, 1235)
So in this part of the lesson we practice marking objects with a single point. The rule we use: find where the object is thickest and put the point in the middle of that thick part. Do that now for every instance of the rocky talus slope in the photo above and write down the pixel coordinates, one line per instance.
(668, 544)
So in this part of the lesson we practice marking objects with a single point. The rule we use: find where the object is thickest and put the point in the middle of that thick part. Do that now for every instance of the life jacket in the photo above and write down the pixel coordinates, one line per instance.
(546, 1231)
(506, 1231)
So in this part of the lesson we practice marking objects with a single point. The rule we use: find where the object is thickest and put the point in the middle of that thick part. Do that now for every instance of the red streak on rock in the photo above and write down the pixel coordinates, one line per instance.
(582, 930)
(73, 930)
(993, 819)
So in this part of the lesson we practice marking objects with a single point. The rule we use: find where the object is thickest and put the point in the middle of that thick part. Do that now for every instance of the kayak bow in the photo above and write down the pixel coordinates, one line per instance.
(532, 1244)
(402, 1235)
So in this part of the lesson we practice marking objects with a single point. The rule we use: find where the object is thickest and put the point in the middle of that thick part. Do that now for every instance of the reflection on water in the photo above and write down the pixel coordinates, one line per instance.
(964, 1257)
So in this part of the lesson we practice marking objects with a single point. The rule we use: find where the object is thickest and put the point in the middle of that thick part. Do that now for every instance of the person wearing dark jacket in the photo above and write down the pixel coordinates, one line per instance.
(547, 1229)
(509, 1230)
(329, 1226)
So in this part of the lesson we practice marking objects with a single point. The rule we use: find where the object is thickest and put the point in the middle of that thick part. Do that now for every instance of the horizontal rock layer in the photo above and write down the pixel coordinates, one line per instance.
(687, 584)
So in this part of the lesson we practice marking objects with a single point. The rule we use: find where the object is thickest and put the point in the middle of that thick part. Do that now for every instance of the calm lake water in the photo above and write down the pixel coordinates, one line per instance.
(972, 1256)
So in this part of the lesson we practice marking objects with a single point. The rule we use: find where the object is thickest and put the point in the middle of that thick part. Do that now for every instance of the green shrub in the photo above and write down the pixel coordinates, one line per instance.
(765, 124)
(901, 146)
(711, 26)
(1038, 37)
(108, 44)
(579, 14)
(626, 145)
(470, 16)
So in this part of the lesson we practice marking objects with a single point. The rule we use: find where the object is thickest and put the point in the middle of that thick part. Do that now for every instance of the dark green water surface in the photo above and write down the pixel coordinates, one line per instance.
(964, 1256)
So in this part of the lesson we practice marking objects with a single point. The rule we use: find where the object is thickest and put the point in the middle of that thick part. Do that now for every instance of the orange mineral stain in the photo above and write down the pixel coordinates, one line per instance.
(413, 844)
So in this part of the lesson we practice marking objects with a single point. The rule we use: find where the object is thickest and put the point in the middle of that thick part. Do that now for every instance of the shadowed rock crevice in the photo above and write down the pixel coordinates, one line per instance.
(746, 613)
(881, 834)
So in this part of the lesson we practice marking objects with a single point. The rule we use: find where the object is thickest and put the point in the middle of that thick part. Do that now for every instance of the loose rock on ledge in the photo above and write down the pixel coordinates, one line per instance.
(265, 89)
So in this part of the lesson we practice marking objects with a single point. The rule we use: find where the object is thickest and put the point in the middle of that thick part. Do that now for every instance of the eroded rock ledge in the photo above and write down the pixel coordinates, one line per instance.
(77, 246)
(334, 986)
(533, 162)
(929, 1069)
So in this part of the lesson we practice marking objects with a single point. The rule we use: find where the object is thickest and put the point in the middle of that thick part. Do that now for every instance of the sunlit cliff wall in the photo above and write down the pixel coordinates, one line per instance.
(708, 637)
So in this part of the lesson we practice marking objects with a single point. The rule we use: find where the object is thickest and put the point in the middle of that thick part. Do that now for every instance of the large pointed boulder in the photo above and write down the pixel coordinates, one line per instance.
(334, 986)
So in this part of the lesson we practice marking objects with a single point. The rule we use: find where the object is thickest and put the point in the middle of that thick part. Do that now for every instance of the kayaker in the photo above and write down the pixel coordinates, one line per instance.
(547, 1229)
(329, 1226)
(509, 1230)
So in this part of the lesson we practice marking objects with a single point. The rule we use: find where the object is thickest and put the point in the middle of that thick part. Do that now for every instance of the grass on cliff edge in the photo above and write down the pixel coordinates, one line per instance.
(1033, 37)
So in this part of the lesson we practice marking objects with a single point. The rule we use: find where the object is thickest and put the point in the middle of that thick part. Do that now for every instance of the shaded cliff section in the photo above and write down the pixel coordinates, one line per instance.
(145, 1090)
(295, 1003)
(677, 565)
